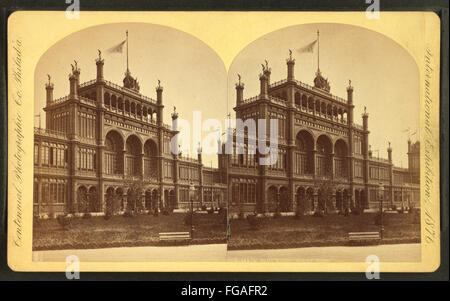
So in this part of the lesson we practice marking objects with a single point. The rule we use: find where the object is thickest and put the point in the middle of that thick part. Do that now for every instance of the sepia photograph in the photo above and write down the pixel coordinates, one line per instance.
(224, 141)
(104, 172)
(348, 168)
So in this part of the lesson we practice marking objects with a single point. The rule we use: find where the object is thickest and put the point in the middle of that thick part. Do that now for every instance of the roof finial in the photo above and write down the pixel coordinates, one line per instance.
(76, 64)
(264, 68)
(290, 54)
(267, 64)
(239, 78)
(99, 54)
(49, 79)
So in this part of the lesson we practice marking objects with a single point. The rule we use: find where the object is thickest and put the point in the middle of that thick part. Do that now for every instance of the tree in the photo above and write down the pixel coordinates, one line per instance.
(113, 203)
(326, 189)
(83, 202)
(134, 197)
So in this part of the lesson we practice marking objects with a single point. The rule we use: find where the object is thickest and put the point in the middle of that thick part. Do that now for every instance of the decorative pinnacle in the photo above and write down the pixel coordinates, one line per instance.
(159, 87)
(174, 114)
(349, 88)
(239, 84)
(49, 84)
(290, 60)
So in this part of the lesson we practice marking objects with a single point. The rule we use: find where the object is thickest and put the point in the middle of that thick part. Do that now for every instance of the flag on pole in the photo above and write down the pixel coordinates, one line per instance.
(117, 49)
(308, 48)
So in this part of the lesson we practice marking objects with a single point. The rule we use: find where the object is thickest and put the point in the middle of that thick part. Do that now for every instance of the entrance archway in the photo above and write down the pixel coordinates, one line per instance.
(272, 199)
(148, 200)
(94, 204)
(82, 199)
(285, 203)
(301, 200)
(310, 197)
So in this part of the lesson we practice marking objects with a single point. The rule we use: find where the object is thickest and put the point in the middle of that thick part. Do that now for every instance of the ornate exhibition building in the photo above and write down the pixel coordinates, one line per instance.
(103, 137)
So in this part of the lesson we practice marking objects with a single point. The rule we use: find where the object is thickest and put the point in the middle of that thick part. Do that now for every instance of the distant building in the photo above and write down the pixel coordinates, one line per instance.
(318, 142)
(101, 138)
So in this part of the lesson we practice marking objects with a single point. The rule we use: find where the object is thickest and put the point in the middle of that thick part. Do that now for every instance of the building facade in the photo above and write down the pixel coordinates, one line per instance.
(102, 138)
(319, 146)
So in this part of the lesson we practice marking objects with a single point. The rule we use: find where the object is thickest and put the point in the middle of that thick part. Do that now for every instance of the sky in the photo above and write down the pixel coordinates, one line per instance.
(385, 78)
(192, 74)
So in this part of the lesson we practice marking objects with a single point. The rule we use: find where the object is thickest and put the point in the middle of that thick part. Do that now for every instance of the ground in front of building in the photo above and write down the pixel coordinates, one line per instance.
(329, 230)
(120, 231)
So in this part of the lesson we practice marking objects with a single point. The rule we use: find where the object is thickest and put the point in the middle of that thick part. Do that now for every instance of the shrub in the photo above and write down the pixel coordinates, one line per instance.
(64, 221)
(346, 212)
(393, 207)
(87, 215)
(416, 215)
(241, 215)
(155, 212)
(319, 213)
(223, 218)
(356, 211)
(188, 218)
(277, 214)
(203, 207)
(378, 219)
(253, 221)
(107, 216)
(128, 214)
(210, 210)
(165, 211)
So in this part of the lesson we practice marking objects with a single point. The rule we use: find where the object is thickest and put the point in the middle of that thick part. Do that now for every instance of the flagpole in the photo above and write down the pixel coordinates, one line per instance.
(318, 52)
(127, 51)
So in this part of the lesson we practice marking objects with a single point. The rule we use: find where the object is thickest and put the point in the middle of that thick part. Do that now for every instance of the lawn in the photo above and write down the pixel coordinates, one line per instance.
(119, 231)
(330, 230)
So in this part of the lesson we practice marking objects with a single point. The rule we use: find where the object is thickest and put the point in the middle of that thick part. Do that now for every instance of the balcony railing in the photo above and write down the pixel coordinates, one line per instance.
(49, 133)
(61, 99)
(88, 83)
(277, 100)
(309, 87)
(116, 86)
(251, 99)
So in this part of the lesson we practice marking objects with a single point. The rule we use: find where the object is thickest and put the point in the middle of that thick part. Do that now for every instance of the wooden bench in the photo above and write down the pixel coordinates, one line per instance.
(174, 236)
(364, 236)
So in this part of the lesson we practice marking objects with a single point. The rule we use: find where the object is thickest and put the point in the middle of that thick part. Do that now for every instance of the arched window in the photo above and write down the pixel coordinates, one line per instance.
(297, 99)
(133, 150)
(340, 159)
(113, 154)
(304, 153)
(107, 100)
(150, 159)
(323, 157)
